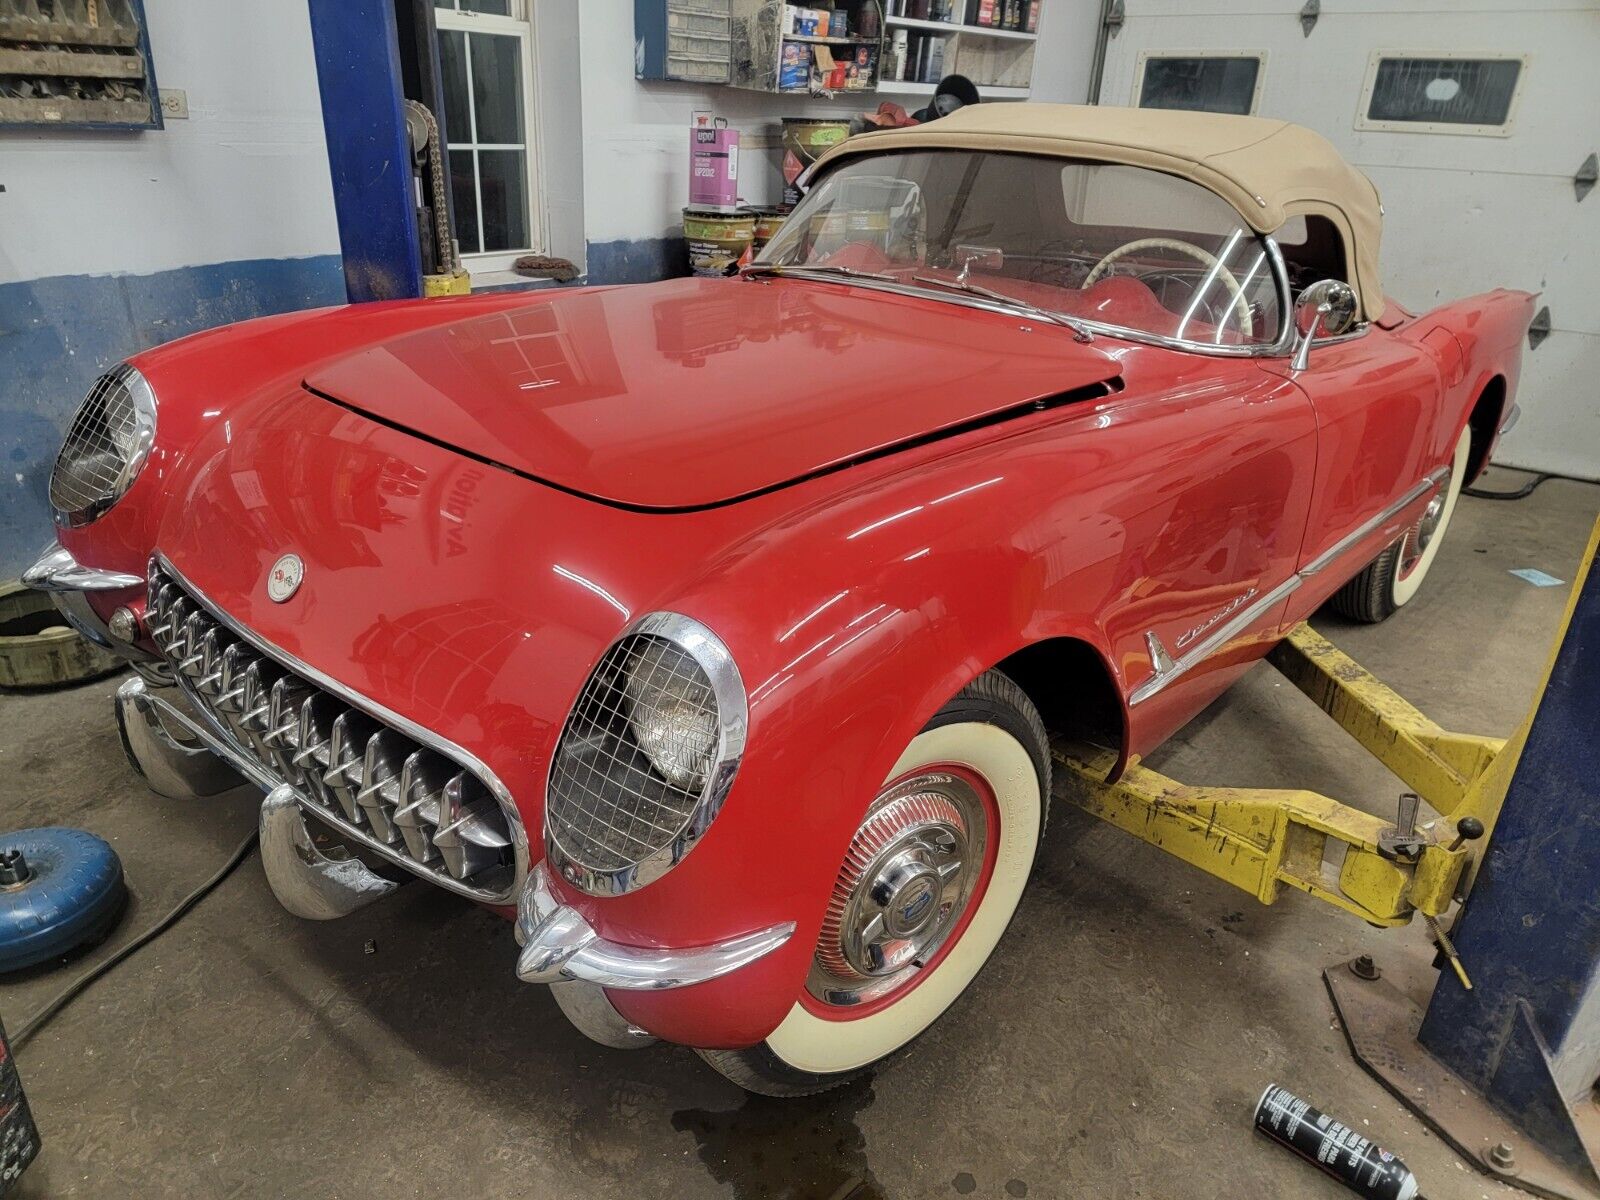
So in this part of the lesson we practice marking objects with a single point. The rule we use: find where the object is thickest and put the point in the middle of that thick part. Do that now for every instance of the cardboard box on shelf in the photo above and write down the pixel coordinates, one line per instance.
(794, 68)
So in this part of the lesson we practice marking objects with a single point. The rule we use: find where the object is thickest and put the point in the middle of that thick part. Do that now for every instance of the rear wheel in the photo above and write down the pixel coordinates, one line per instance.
(932, 878)
(1395, 576)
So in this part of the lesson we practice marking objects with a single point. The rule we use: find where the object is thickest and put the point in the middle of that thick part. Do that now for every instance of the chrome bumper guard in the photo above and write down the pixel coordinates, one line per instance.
(558, 945)
(68, 581)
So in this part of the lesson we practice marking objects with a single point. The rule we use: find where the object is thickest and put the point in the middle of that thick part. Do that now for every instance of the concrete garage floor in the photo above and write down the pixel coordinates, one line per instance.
(1114, 1047)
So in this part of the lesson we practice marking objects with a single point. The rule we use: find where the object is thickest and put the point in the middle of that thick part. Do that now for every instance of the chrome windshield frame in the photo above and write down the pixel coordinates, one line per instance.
(1281, 348)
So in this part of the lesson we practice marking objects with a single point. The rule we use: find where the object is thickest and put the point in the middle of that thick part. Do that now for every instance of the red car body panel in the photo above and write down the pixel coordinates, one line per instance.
(592, 394)
(476, 600)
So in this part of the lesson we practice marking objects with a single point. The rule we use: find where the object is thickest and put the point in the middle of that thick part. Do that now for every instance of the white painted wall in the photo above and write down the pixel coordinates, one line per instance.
(636, 159)
(245, 177)
(636, 135)
(1064, 54)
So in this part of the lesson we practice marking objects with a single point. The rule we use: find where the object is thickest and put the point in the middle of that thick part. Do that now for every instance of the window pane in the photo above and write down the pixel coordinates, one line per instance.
(1454, 91)
(453, 69)
(1223, 85)
(497, 88)
(500, 8)
(450, 4)
(464, 196)
(505, 199)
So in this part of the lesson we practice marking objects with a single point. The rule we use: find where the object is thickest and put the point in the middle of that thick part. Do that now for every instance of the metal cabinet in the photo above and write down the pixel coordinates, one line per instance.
(687, 40)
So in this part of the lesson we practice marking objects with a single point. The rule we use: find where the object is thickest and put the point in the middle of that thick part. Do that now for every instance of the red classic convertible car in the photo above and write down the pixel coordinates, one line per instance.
(717, 629)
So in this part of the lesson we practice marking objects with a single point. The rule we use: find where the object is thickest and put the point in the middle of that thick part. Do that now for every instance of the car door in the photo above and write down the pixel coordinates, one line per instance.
(1377, 400)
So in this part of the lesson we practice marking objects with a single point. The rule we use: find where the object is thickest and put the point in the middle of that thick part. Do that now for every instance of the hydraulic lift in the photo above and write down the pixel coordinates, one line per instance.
(1503, 1064)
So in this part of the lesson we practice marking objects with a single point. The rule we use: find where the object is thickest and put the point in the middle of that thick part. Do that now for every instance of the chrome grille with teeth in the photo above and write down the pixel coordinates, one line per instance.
(410, 802)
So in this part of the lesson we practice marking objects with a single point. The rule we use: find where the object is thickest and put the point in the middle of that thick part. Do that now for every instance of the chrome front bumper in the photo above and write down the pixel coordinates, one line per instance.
(179, 756)
(559, 945)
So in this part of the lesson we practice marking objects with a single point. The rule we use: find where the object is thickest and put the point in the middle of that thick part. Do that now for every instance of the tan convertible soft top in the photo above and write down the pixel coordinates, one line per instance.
(1268, 170)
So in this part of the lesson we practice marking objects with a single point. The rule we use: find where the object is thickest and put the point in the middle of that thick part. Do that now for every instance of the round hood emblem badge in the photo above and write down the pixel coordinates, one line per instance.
(284, 579)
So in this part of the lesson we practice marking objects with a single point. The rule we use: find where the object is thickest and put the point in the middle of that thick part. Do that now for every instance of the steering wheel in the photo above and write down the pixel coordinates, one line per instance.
(1240, 307)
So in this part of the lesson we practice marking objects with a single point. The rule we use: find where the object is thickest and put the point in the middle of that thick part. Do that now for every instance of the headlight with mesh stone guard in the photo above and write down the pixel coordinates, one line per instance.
(646, 756)
(105, 448)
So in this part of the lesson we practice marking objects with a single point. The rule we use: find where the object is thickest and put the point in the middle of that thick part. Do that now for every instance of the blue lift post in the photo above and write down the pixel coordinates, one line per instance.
(1528, 1034)
(369, 152)
(1506, 1071)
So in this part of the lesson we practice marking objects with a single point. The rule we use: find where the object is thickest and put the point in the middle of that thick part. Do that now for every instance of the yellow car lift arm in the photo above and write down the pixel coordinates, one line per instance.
(1260, 839)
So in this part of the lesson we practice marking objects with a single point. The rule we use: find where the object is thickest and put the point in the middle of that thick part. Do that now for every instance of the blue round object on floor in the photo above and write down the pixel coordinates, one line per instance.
(70, 892)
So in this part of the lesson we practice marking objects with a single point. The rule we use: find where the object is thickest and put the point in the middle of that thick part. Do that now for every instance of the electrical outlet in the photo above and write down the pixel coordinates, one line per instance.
(174, 104)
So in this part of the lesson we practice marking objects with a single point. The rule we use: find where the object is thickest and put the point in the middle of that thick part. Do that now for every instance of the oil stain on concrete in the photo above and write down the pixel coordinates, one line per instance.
(805, 1149)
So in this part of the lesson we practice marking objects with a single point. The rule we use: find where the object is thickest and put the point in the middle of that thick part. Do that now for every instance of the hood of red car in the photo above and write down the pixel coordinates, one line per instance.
(697, 392)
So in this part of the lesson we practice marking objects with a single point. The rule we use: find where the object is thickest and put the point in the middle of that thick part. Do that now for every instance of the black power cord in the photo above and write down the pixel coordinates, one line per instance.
(78, 986)
(1522, 493)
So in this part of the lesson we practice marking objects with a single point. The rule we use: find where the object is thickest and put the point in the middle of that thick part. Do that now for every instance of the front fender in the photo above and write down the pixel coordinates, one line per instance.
(853, 622)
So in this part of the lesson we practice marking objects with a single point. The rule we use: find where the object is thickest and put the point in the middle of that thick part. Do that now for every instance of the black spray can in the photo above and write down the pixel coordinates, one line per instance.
(1365, 1168)
(19, 1140)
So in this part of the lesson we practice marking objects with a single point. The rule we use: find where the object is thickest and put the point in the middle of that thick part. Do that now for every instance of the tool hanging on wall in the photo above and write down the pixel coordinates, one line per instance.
(442, 273)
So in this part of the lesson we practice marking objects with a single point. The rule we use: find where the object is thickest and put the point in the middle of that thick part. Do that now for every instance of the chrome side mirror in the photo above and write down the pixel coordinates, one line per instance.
(1325, 309)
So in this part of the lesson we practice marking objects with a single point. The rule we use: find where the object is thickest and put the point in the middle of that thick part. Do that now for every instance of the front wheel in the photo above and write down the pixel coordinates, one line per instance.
(1394, 577)
(931, 879)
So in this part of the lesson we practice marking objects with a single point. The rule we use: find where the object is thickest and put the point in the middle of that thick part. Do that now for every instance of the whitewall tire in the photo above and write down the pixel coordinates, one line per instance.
(929, 885)
(1392, 580)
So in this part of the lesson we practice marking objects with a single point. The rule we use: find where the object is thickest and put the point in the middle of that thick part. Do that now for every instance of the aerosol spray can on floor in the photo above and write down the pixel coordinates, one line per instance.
(19, 1139)
(1367, 1169)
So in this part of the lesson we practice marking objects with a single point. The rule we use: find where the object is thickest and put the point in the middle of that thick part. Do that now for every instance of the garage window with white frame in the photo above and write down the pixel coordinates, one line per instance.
(1441, 93)
(1200, 82)
(487, 68)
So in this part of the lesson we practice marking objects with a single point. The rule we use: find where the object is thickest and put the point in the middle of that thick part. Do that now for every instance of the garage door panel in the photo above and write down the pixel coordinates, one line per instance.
(1333, 10)
(1465, 212)
(1560, 425)
(1517, 232)
(1319, 81)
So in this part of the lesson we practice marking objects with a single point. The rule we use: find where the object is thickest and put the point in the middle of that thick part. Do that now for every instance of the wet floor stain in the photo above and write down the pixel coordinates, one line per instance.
(796, 1149)
(964, 1184)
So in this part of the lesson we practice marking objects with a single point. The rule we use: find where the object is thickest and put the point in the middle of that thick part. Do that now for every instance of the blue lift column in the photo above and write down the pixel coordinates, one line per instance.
(369, 152)
(1527, 1036)
(1505, 1071)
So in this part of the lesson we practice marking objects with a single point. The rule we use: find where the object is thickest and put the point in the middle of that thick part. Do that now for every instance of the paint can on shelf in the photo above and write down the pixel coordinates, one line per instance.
(806, 139)
(719, 242)
(1364, 1167)
(768, 221)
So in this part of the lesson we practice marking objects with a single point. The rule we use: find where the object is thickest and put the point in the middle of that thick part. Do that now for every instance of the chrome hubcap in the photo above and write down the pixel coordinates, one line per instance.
(1420, 535)
(906, 881)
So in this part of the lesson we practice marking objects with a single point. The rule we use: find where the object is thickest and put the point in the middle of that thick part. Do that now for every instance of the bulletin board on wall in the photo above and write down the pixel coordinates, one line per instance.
(76, 64)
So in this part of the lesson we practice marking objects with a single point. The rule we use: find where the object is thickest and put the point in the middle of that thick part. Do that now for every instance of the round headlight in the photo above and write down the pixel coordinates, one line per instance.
(646, 756)
(672, 713)
(105, 448)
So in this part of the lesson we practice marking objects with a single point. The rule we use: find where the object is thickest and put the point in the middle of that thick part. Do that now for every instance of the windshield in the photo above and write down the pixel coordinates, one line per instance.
(1123, 248)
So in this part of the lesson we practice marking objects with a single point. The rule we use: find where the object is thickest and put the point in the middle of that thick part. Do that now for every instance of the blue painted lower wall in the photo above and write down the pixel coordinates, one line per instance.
(58, 334)
(642, 261)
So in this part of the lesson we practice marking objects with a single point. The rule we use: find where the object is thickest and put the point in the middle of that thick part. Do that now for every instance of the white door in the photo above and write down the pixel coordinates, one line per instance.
(1471, 116)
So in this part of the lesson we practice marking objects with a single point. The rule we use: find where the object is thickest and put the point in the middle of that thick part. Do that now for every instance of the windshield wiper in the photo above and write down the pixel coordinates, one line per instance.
(1079, 332)
(818, 269)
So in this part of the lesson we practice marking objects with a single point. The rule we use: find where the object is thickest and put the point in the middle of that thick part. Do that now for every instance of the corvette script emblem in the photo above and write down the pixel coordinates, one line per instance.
(284, 579)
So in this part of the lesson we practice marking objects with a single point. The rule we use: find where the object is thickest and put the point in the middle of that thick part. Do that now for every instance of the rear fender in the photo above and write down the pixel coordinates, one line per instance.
(1490, 331)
